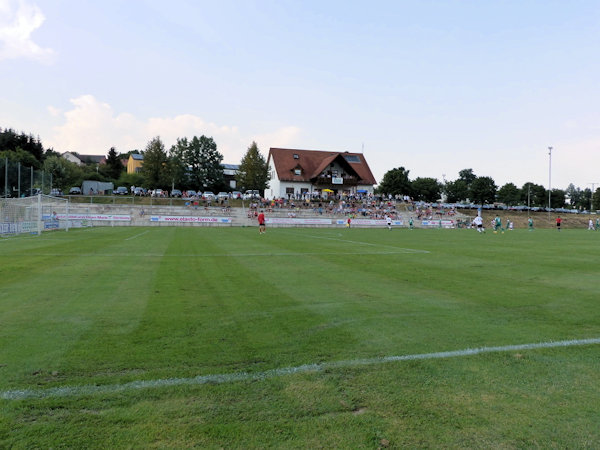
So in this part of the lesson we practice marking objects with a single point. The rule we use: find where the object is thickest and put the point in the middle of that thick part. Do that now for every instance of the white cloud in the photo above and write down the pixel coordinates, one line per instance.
(92, 127)
(18, 20)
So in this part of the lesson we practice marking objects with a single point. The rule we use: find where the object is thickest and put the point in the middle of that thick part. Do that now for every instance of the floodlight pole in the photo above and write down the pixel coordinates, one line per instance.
(592, 196)
(549, 179)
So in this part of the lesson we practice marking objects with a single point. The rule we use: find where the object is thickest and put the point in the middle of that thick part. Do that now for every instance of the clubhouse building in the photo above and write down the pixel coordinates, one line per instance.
(302, 173)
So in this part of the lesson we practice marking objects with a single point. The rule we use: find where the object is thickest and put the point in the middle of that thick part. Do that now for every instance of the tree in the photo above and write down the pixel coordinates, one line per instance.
(114, 166)
(533, 195)
(204, 162)
(456, 191)
(426, 189)
(557, 198)
(177, 167)
(64, 173)
(509, 194)
(254, 171)
(596, 200)
(395, 182)
(574, 194)
(154, 168)
(467, 176)
(483, 190)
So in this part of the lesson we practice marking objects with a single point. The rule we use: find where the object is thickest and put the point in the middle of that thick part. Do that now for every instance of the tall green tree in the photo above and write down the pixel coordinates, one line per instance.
(65, 174)
(468, 176)
(178, 170)
(483, 190)
(426, 189)
(396, 182)
(204, 162)
(114, 166)
(254, 171)
(596, 200)
(534, 195)
(558, 198)
(456, 191)
(154, 168)
(509, 194)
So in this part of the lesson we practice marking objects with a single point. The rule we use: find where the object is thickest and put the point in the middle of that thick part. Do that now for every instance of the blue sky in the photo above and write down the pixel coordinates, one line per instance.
(433, 86)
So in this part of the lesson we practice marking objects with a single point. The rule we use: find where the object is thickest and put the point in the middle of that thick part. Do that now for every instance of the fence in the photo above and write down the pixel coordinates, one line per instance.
(17, 180)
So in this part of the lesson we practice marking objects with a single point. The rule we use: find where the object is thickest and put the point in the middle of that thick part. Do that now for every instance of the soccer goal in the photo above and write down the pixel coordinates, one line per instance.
(33, 215)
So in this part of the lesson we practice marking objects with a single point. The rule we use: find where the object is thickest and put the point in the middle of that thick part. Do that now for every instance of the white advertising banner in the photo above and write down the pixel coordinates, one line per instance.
(294, 221)
(369, 222)
(109, 217)
(438, 223)
(190, 219)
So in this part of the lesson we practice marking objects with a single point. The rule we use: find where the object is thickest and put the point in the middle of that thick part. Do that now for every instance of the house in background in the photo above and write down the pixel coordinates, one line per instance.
(229, 173)
(82, 160)
(300, 173)
(72, 157)
(135, 163)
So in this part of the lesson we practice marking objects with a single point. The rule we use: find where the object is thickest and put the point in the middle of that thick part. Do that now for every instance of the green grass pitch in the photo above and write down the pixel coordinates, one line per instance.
(224, 338)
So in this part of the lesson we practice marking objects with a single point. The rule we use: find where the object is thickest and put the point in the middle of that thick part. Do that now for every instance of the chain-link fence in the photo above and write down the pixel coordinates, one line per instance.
(17, 180)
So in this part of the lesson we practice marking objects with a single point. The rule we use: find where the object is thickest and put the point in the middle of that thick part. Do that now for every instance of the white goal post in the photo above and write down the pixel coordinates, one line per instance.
(33, 215)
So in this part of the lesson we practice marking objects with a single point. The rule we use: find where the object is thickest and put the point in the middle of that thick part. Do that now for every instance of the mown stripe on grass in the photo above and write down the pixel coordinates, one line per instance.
(76, 391)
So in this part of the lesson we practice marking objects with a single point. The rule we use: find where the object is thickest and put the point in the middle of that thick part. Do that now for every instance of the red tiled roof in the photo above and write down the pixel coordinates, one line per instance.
(313, 162)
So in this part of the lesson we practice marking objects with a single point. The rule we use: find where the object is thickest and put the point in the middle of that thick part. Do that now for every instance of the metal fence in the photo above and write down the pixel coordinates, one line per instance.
(17, 180)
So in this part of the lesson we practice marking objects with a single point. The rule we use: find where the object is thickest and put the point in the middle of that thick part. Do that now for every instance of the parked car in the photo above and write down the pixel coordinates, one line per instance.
(251, 194)
(121, 190)
(176, 193)
(208, 195)
(75, 190)
(223, 196)
(190, 193)
(158, 193)
(56, 193)
(236, 194)
(140, 191)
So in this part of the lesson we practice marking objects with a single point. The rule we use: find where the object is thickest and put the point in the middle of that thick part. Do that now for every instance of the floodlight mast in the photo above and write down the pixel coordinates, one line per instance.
(549, 179)
(592, 196)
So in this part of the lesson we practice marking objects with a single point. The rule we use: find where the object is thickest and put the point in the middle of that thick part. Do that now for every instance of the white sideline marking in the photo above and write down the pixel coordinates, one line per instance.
(228, 255)
(137, 235)
(76, 391)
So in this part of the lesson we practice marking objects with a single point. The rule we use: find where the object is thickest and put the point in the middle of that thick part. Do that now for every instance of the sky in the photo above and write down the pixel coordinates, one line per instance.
(434, 86)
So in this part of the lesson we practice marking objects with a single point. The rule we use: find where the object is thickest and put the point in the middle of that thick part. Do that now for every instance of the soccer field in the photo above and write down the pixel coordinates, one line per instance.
(299, 338)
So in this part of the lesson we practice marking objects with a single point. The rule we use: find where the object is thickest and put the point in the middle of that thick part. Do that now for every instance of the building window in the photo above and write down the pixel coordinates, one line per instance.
(296, 156)
(289, 190)
(297, 172)
(352, 158)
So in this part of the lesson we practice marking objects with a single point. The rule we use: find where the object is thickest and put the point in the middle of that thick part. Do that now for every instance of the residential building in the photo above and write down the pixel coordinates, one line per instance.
(135, 163)
(300, 173)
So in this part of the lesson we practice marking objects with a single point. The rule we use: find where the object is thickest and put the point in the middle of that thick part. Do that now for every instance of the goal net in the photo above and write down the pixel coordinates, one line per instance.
(33, 215)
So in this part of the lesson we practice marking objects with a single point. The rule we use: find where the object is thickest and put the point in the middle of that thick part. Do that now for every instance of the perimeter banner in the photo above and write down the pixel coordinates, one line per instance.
(438, 223)
(295, 221)
(108, 217)
(369, 222)
(190, 219)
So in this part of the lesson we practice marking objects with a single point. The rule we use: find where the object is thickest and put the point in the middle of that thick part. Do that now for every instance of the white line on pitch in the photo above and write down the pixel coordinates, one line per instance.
(228, 255)
(76, 391)
(137, 235)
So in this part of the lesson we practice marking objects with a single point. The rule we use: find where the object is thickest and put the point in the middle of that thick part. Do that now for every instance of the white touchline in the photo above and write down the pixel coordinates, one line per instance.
(76, 391)
(137, 235)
